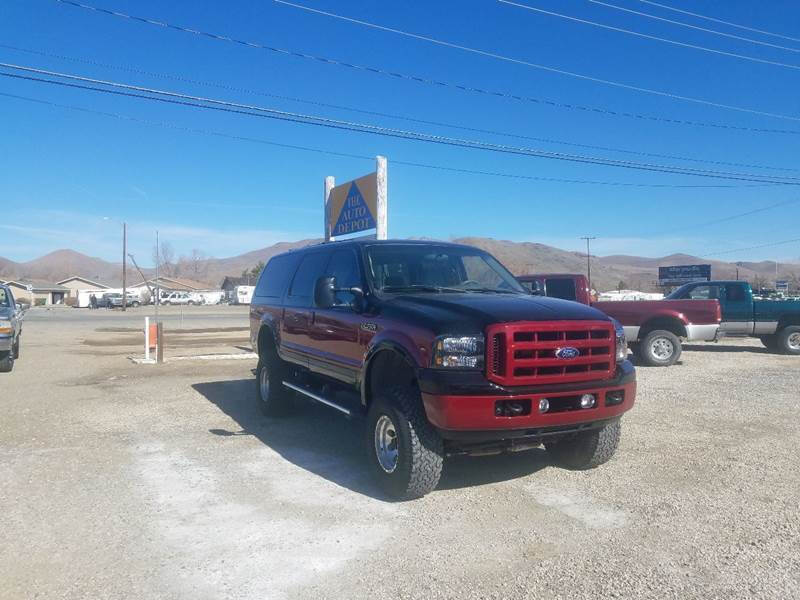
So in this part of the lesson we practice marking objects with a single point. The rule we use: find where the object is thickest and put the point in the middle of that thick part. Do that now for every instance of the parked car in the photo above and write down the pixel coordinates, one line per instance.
(178, 298)
(442, 352)
(654, 328)
(776, 322)
(114, 300)
(10, 329)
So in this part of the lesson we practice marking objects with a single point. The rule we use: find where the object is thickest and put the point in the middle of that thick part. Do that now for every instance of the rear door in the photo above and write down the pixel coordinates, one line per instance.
(298, 318)
(737, 309)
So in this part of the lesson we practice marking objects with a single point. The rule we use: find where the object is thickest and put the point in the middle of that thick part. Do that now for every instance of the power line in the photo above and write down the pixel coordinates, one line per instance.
(395, 116)
(731, 217)
(648, 36)
(370, 158)
(695, 27)
(707, 18)
(466, 88)
(753, 247)
(234, 107)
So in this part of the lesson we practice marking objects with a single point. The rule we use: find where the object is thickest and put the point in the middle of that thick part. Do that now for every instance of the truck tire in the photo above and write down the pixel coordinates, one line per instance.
(405, 451)
(274, 399)
(15, 349)
(6, 362)
(660, 348)
(788, 340)
(586, 450)
(770, 341)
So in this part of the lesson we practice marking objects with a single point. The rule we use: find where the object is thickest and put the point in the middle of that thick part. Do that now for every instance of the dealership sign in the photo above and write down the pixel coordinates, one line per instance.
(353, 205)
(680, 274)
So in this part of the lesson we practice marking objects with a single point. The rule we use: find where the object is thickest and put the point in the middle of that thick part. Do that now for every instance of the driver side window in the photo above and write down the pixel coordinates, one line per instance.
(344, 267)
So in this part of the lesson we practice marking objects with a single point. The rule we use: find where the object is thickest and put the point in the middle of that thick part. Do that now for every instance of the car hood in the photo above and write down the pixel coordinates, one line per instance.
(473, 312)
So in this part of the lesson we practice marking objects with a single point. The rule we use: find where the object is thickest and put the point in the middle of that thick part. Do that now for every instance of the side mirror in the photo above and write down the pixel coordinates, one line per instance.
(325, 292)
(19, 307)
(536, 288)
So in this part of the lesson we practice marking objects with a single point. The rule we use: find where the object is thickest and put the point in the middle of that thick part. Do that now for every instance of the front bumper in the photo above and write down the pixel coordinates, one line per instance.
(464, 409)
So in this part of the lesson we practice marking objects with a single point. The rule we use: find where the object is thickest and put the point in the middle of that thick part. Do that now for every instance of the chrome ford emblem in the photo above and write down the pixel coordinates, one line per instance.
(567, 352)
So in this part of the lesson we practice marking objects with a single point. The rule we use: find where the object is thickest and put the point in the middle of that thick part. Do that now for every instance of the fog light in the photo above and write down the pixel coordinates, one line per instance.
(588, 401)
(544, 405)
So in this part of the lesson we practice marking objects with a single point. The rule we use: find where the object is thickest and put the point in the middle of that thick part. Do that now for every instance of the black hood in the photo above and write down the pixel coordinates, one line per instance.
(472, 312)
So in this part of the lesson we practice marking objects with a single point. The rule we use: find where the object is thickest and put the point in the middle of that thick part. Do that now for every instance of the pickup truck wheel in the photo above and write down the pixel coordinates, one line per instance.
(273, 398)
(6, 362)
(15, 349)
(405, 451)
(770, 341)
(586, 450)
(660, 348)
(788, 340)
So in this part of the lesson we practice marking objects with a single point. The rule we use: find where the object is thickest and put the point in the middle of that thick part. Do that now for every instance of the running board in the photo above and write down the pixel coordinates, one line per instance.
(313, 396)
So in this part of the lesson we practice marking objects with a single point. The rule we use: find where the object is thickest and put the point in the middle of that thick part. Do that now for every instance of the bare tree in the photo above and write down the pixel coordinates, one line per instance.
(164, 257)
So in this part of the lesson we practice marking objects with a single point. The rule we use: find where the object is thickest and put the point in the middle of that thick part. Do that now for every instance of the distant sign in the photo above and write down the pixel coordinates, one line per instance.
(680, 274)
(353, 205)
(782, 285)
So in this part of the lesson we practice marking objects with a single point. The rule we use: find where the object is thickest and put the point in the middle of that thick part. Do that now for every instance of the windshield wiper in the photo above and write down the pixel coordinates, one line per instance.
(418, 288)
(485, 290)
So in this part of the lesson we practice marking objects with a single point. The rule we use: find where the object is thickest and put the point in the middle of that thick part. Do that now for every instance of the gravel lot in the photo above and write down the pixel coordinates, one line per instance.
(127, 481)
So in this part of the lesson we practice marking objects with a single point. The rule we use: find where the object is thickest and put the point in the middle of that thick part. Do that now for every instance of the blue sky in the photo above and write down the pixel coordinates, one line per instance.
(63, 170)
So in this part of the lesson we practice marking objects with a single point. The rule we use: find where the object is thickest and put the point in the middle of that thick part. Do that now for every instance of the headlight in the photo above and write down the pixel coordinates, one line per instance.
(458, 352)
(5, 326)
(622, 342)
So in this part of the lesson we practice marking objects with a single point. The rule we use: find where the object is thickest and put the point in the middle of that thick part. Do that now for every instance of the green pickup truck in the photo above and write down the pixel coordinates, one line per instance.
(775, 322)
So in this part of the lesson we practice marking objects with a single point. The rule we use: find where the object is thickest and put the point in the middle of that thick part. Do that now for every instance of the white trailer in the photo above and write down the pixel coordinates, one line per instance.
(243, 294)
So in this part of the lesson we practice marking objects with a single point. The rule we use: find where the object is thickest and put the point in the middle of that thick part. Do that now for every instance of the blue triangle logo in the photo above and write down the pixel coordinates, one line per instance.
(355, 214)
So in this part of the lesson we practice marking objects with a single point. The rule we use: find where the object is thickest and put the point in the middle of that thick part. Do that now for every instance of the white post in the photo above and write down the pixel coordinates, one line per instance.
(330, 182)
(381, 219)
(147, 338)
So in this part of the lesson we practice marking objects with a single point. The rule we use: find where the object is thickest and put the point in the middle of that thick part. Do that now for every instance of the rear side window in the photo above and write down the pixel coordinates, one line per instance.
(311, 267)
(561, 288)
(275, 276)
(704, 292)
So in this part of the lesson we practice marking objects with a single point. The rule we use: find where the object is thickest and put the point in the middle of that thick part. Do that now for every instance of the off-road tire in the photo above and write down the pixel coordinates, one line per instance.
(586, 450)
(786, 340)
(15, 349)
(6, 362)
(648, 354)
(770, 341)
(278, 400)
(420, 448)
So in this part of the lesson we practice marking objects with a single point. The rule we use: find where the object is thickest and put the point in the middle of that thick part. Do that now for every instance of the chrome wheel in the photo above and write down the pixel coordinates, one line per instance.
(386, 444)
(662, 349)
(794, 341)
(263, 384)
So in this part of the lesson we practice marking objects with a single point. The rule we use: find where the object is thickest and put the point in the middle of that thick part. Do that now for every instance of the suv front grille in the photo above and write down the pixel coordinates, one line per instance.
(527, 352)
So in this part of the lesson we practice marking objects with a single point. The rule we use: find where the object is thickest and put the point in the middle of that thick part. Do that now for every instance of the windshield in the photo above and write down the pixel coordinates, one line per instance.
(408, 267)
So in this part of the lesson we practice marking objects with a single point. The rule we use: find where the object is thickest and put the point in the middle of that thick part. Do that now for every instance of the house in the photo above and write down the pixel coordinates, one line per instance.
(230, 283)
(76, 283)
(43, 292)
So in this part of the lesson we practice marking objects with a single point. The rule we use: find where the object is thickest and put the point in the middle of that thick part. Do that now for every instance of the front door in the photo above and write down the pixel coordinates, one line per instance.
(737, 309)
(337, 335)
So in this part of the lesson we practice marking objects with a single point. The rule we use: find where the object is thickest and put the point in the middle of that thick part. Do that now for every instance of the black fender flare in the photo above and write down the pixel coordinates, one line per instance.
(373, 351)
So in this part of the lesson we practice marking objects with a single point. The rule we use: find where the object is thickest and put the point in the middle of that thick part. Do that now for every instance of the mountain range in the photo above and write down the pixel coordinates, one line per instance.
(608, 272)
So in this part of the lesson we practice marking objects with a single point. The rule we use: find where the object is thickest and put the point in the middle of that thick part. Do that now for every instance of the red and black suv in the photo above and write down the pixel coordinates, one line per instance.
(443, 352)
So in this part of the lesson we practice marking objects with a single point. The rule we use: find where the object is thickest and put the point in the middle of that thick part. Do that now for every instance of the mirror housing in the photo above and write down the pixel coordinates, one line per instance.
(536, 288)
(325, 294)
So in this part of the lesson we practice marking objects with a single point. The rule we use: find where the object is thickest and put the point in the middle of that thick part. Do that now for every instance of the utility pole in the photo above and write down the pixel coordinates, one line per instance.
(158, 286)
(124, 265)
(589, 261)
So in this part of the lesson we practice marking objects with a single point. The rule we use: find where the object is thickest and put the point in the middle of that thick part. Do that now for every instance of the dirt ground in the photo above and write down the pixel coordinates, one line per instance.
(120, 480)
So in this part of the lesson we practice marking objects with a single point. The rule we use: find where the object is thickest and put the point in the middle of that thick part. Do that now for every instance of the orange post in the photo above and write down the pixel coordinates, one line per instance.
(153, 337)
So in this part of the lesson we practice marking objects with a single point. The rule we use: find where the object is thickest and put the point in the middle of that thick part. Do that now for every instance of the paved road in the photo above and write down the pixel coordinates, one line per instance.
(125, 481)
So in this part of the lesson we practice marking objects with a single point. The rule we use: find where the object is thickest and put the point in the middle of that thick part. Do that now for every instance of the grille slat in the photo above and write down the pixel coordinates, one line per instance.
(523, 353)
